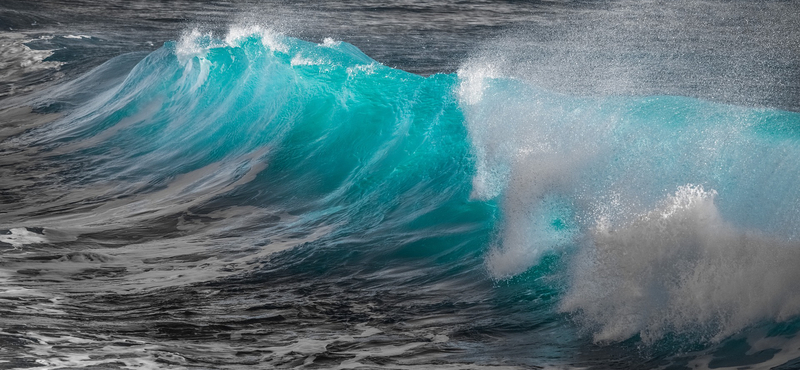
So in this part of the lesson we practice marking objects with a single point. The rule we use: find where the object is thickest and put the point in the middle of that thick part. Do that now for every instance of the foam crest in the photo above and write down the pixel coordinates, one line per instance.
(270, 38)
(194, 43)
(197, 42)
(681, 268)
(329, 42)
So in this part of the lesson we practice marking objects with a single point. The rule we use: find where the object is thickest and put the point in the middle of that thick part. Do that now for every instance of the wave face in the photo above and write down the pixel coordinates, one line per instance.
(270, 121)
(519, 211)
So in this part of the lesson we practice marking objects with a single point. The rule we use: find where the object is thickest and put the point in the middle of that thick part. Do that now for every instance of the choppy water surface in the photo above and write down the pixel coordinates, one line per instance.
(399, 185)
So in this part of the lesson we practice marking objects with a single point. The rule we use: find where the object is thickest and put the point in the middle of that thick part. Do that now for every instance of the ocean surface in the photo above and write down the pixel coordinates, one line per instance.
(399, 184)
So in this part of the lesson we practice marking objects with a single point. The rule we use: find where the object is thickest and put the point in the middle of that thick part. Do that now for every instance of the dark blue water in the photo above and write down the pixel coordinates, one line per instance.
(399, 185)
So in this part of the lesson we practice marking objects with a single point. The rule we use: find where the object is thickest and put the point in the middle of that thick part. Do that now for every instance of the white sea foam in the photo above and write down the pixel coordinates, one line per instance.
(197, 42)
(681, 267)
(20, 236)
(190, 45)
(77, 37)
(329, 42)
(17, 60)
(270, 38)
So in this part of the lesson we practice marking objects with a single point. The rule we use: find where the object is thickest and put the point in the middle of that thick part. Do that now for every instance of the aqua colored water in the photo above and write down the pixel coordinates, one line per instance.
(255, 193)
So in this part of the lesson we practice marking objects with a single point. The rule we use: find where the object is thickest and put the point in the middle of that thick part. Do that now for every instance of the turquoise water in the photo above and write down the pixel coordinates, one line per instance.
(655, 226)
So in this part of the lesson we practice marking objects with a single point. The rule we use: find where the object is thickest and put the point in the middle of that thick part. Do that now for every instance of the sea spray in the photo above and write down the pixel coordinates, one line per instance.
(681, 268)
(604, 179)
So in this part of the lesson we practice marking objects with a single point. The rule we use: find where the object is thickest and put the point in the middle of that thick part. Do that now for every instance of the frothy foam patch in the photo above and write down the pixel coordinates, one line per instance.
(196, 42)
(329, 42)
(77, 37)
(21, 236)
(681, 268)
(17, 60)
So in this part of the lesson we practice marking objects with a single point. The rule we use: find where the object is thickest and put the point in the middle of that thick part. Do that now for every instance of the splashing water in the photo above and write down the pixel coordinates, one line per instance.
(257, 161)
